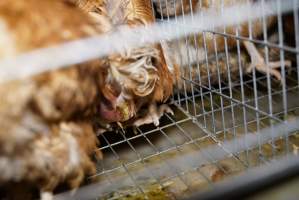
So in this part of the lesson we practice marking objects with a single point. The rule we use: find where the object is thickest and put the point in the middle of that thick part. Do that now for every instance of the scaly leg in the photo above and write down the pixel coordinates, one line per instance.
(258, 62)
(155, 113)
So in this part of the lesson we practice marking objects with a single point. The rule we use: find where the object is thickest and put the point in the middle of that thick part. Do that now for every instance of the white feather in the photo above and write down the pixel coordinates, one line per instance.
(7, 41)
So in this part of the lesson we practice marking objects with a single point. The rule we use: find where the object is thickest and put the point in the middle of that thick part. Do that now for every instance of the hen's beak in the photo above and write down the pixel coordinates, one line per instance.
(126, 107)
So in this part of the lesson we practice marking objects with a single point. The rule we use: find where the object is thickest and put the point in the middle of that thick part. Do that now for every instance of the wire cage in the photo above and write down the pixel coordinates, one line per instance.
(219, 101)
(229, 117)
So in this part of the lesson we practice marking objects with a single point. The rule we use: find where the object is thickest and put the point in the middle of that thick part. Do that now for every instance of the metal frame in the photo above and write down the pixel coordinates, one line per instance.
(254, 181)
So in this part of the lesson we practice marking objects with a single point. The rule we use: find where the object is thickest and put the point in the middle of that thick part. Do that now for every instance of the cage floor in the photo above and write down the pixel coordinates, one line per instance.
(167, 163)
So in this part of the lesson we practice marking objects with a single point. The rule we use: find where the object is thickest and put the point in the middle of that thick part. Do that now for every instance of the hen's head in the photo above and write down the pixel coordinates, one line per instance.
(130, 77)
(135, 71)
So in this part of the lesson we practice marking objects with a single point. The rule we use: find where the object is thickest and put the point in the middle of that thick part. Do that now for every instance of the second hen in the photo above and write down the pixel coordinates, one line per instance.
(137, 78)
(142, 72)
(206, 41)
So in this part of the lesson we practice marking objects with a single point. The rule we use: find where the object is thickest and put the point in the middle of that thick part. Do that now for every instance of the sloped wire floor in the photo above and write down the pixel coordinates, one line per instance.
(166, 162)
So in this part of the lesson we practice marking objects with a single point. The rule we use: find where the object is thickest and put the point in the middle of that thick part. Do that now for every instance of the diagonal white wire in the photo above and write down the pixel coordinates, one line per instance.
(82, 50)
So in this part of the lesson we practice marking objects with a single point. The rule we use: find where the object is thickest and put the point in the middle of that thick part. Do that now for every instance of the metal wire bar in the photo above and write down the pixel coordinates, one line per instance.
(79, 51)
(296, 24)
(254, 180)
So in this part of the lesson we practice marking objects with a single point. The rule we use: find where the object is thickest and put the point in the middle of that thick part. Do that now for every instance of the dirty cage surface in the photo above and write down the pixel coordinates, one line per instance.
(218, 101)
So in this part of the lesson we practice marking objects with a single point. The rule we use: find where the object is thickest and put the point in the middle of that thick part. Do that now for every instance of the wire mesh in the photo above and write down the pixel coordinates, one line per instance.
(229, 115)
(218, 101)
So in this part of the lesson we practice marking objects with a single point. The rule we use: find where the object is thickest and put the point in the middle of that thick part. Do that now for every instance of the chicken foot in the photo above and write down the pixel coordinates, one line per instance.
(154, 115)
(258, 62)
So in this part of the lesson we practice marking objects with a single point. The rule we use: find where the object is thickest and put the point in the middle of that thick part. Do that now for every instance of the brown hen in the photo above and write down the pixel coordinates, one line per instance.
(137, 78)
(37, 145)
(142, 73)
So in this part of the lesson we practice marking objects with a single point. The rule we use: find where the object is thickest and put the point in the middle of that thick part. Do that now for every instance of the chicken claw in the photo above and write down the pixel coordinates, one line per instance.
(154, 115)
(258, 62)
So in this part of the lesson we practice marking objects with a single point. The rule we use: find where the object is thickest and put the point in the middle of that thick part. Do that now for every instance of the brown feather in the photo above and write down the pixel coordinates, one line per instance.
(139, 12)
(33, 150)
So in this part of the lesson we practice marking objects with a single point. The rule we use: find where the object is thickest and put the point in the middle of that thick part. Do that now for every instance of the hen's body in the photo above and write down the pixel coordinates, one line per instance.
(145, 77)
(37, 144)
(63, 93)
(138, 77)
(208, 42)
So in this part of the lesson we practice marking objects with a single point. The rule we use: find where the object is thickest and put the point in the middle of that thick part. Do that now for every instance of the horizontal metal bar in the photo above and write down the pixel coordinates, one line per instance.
(253, 181)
